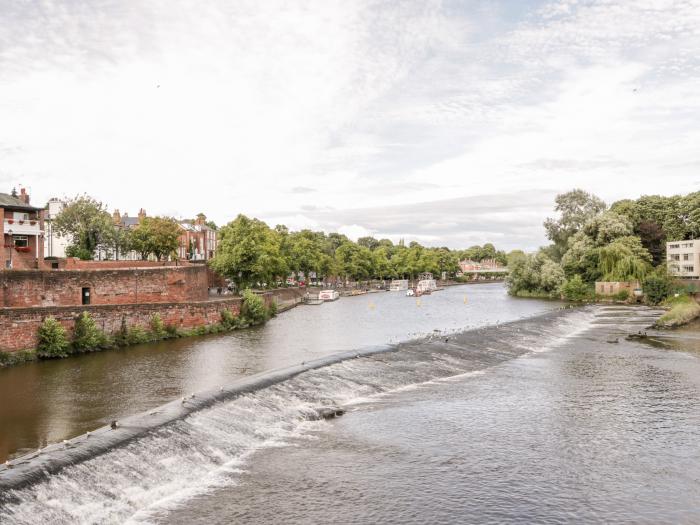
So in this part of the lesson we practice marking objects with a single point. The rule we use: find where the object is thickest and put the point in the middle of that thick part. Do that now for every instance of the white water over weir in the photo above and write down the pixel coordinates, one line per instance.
(160, 458)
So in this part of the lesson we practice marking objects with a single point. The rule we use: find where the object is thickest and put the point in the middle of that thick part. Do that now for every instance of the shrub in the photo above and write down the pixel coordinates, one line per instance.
(171, 330)
(272, 309)
(86, 335)
(137, 335)
(575, 289)
(15, 358)
(228, 320)
(657, 288)
(157, 327)
(79, 252)
(52, 339)
(622, 295)
(253, 308)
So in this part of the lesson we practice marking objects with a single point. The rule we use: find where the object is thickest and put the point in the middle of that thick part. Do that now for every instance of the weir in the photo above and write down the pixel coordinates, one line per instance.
(188, 446)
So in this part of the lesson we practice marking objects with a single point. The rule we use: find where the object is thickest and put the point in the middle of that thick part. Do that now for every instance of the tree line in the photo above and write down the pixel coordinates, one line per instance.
(251, 253)
(591, 242)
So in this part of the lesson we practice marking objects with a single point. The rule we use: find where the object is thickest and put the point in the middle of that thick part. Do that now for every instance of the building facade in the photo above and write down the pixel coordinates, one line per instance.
(22, 231)
(683, 258)
(54, 245)
(197, 241)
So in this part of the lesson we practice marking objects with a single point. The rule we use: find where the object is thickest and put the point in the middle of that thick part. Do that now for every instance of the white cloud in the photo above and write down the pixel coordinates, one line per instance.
(256, 107)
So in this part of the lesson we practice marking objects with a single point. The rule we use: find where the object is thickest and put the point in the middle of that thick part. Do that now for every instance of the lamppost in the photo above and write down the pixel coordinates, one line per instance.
(12, 245)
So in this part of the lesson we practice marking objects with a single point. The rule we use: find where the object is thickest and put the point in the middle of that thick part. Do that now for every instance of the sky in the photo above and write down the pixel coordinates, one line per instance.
(452, 123)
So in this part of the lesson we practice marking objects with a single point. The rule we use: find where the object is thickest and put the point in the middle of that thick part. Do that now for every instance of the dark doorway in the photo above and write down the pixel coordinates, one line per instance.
(86, 295)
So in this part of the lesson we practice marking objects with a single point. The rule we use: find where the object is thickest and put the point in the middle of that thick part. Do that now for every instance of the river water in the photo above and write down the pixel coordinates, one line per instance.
(553, 418)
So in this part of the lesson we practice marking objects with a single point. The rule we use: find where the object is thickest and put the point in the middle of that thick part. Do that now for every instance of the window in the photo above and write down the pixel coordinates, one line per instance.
(86, 295)
(21, 241)
(675, 257)
(672, 246)
(20, 216)
(686, 256)
(689, 269)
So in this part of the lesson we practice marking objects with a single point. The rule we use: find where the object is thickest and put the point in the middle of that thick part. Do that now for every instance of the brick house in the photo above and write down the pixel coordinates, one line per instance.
(197, 241)
(22, 228)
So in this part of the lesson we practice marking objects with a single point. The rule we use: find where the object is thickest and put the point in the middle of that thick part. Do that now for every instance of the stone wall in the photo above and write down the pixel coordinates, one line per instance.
(106, 287)
(19, 326)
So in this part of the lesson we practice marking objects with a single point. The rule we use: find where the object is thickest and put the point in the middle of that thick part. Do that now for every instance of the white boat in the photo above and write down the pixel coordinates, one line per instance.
(398, 285)
(328, 295)
(410, 293)
(426, 286)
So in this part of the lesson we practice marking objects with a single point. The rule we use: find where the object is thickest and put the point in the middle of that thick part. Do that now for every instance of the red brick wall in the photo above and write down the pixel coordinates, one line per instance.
(72, 263)
(118, 286)
(19, 326)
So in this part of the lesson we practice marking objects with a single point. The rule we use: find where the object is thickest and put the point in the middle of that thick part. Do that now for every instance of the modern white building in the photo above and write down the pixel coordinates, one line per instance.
(683, 258)
(54, 244)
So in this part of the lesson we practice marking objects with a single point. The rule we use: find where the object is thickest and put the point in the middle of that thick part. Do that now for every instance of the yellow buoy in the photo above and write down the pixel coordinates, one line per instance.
(371, 306)
(417, 302)
(465, 299)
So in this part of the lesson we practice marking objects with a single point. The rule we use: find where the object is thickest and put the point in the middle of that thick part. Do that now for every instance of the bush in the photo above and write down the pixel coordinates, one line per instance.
(158, 327)
(52, 339)
(253, 308)
(657, 288)
(575, 289)
(16, 358)
(171, 330)
(622, 295)
(86, 335)
(272, 309)
(137, 335)
(79, 252)
(228, 320)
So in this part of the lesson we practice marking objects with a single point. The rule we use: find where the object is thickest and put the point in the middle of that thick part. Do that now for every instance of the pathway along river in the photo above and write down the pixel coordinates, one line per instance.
(550, 419)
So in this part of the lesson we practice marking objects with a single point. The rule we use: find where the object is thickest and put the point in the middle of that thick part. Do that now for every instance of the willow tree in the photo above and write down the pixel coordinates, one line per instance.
(625, 259)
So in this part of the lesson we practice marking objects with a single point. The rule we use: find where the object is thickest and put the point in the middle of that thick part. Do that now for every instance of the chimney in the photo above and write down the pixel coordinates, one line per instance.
(23, 196)
(142, 214)
(201, 219)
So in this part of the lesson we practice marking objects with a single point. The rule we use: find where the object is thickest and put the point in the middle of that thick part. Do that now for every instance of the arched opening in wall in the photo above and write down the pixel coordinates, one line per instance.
(86, 295)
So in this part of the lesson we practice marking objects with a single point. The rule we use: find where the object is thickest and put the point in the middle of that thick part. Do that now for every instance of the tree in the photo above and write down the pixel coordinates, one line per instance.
(625, 259)
(368, 242)
(87, 223)
(576, 208)
(575, 289)
(156, 235)
(534, 275)
(657, 286)
(249, 253)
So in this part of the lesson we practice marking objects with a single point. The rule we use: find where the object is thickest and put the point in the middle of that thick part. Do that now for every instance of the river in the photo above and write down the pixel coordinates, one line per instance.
(555, 417)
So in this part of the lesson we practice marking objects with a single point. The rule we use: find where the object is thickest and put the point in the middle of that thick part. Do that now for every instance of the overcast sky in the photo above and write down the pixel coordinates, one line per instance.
(451, 123)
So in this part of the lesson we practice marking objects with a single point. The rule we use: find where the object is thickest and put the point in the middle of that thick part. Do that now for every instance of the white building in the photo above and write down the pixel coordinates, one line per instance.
(54, 244)
(683, 258)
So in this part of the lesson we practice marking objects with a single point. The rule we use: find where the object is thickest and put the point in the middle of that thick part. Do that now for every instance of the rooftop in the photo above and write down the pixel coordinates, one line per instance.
(8, 201)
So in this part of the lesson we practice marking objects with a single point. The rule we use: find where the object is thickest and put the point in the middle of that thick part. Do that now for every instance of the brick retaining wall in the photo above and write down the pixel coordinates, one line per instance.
(19, 326)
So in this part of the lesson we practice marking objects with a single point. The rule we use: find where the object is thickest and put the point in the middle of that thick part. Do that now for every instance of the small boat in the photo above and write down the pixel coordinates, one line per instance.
(398, 285)
(313, 302)
(328, 295)
(410, 292)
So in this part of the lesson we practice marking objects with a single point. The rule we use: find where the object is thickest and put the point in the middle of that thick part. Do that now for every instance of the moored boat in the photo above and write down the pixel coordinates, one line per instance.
(328, 295)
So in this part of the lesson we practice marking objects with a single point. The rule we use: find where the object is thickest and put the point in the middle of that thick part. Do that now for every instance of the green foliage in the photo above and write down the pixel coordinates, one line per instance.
(253, 308)
(137, 335)
(52, 339)
(86, 335)
(535, 274)
(16, 358)
(272, 309)
(624, 259)
(158, 330)
(683, 311)
(657, 287)
(157, 236)
(575, 208)
(80, 252)
(622, 295)
(87, 223)
(228, 320)
(575, 289)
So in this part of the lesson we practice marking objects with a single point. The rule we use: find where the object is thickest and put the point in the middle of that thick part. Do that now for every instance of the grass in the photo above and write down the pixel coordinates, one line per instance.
(683, 310)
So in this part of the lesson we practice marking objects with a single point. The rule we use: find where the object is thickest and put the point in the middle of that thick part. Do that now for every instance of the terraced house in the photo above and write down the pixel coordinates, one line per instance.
(22, 229)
